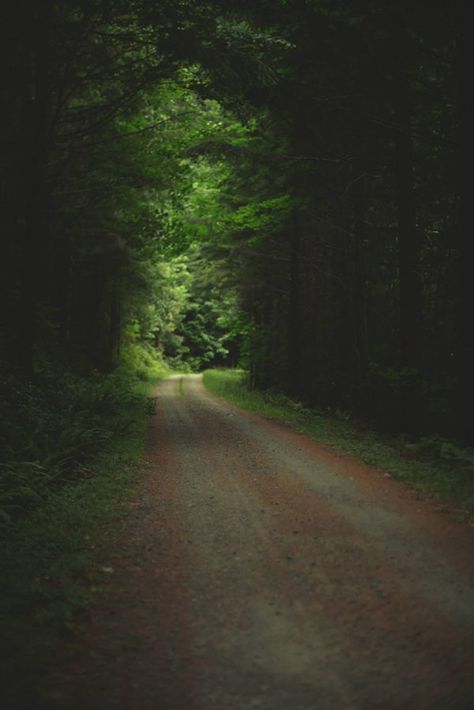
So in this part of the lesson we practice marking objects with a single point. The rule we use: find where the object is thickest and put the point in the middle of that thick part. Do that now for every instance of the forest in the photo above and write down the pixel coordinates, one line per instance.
(280, 186)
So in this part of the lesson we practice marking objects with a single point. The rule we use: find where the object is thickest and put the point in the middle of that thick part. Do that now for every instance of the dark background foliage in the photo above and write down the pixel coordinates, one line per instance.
(287, 183)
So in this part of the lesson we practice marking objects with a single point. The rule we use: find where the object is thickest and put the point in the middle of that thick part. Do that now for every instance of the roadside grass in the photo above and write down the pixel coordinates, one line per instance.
(55, 559)
(432, 466)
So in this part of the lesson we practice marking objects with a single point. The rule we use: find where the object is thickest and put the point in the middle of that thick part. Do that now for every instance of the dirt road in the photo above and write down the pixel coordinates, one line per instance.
(262, 571)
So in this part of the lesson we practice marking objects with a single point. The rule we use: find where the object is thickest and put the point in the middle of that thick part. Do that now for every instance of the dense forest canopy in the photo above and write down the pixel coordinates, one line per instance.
(281, 185)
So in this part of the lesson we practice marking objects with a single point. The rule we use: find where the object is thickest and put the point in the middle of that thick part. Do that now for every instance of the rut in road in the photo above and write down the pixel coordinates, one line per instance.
(261, 570)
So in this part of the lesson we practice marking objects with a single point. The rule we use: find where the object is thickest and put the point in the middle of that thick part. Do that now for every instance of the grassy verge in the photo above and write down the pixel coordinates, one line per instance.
(55, 558)
(432, 466)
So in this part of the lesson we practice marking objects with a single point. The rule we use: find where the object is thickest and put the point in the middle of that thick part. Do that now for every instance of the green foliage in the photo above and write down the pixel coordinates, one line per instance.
(140, 361)
(261, 217)
(55, 426)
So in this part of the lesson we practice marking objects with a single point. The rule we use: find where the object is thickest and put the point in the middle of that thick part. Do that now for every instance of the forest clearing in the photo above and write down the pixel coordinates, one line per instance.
(275, 195)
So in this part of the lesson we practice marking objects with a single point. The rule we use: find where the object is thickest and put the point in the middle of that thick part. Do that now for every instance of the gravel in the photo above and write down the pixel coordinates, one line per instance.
(262, 570)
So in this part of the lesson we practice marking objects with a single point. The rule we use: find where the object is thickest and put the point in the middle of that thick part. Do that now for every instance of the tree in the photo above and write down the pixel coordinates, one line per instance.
(307, 149)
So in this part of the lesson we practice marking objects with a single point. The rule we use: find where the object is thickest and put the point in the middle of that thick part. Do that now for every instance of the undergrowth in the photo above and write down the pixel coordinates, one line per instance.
(71, 464)
(433, 466)
(55, 424)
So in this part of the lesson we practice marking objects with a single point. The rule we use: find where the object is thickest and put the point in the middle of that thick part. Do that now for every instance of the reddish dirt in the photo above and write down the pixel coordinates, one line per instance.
(262, 570)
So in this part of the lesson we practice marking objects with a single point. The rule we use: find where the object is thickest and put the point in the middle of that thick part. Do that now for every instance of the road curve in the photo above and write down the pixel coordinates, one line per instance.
(261, 570)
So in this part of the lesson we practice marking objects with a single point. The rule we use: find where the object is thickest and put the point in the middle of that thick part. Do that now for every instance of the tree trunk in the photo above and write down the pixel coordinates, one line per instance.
(34, 242)
(408, 251)
(359, 278)
(295, 315)
(466, 240)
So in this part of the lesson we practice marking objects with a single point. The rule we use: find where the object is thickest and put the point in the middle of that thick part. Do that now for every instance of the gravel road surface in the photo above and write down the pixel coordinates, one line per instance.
(261, 570)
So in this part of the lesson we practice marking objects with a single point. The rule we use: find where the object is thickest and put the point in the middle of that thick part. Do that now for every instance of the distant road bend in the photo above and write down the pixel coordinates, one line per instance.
(262, 570)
